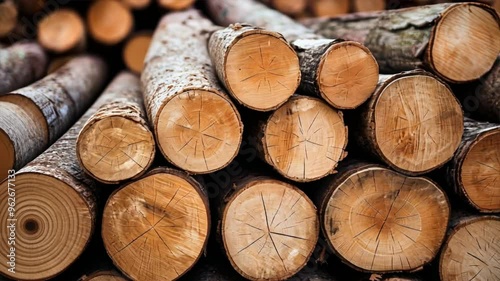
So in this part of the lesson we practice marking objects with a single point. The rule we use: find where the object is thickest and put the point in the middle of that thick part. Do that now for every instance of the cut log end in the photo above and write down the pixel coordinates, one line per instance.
(468, 34)
(368, 5)
(471, 252)
(176, 5)
(390, 223)
(207, 131)
(290, 7)
(305, 139)
(6, 154)
(418, 134)
(109, 21)
(348, 75)
(8, 17)
(163, 214)
(135, 51)
(262, 71)
(61, 31)
(137, 4)
(325, 8)
(269, 230)
(54, 224)
(116, 148)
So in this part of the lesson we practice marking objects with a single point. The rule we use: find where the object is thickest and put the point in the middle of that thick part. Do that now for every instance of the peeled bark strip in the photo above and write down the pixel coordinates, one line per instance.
(21, 64)
(135, 51)
(257, 67)
(471, 250)
(474, 171)
(157, 227)
(197, 127)
(459, 42)
(322, 8)
(295, 7)
(62, 31)
(116, 143)
(35, 116)
(176, 5)
(378, 220)
(413, 122)
(488, 94)
(109, 22)
(8, 17)
(103, 275)
(344, 73)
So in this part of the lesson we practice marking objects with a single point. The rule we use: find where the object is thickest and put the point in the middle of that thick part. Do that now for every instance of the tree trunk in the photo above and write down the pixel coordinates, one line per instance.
(135, 51)
(323, 8)
(116, 143)
(378, 220)
(368, 5)
(8, 17)
(437, 37)
(206, 134)
(413, 122)
(103, 275)
(62, 31)
(473, 173)
(21, 64)
(176, 5)
(257, 67)
(166, 224)
(344, 73)
(287, 7)
(487, 95)
(109, 22)
(35, 116)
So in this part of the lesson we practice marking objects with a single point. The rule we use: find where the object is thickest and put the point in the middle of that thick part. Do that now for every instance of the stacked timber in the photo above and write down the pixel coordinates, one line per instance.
(109, 22)
(62, 31)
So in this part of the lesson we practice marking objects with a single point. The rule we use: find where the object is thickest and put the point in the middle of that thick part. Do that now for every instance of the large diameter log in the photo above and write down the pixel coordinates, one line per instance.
(257, 67)
(197, 127)
(378, 220)
(62, 31)
(135, 51)
(344, 73)
(8, 17)
(444, 38)
(163, 218)
(323, 8)
(474, 171)
(287, 7)
(116, 144)
(413, 122)
(35, 116)
(109, 22)
(21, 64)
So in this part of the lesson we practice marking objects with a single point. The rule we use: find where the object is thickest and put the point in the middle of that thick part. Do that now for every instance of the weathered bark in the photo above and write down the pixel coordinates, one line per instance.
(322, 8)
(8, 17)
(62, 31)
(116, 144)
(487, 95)
(176, 5)
(103, 275)
(437, 37)
(287, 7)
(344, 73)
(135, 50)
(413, 122)
(206, 134)
(21, 64)
(261, 85)
(168, 222)
(109, 22)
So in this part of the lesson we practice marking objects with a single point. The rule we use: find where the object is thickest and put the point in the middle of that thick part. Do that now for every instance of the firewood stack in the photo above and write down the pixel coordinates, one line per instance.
(249, 140)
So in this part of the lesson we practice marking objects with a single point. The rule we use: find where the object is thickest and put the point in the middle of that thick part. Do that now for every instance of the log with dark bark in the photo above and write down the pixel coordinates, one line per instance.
(8, 17)
(196, 125)
(323, 8)
(35, 116)
(257, 67)
(459, 42)
(344, 73)
(116, 143)
(135, 50)
(109, 22)
(287, 7)
(487, 94)
(162, 217)
(62, 31)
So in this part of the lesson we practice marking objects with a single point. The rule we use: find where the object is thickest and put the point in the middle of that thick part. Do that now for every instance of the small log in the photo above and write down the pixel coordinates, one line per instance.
(257, 67)
(103, 275)
(344, 73)
(137, 4)
(8, 17)
(323, 8)
(413, 122)
(176, 5)
(35, 116)
(287, 7)
(109, 22)
(116, 144)
(168, 222)
(62, 31)
(21, 64)
(135, 51)
(368, 5)
(196, 125)
(437, 37)
(488, 94)
(377, 220)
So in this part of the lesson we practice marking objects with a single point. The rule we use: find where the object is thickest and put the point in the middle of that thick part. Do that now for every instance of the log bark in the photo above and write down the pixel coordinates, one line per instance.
(116, 144)
(109, 22)
(257, 67)
(287, 7)
(344, 73)
(436, 37)
(206, 134)
(35, 116)
(103, 275)
(176, 5)
(168, 222)
(413, 122)
(377, 220)
(135, 50)
(62, 31)
(323, 8)
(487, 95)
(473, 171)
(8, 17)
(21, 64)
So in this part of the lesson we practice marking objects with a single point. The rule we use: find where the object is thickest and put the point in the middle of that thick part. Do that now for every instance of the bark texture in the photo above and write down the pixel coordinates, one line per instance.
(488, 94)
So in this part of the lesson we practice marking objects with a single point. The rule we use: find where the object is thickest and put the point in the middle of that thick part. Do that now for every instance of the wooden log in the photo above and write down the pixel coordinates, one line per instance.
(109, 22)
(368, 5)
(58, 62)
(116, 144)
(487, 94)
(103, 275)
(62, 31)
(268, 228)
(21, 64)
(471, 250)
(30, 7)
(287, 7)
(323, 8)
(8, 17)
(135, 51)
(168, 222)
(413, 122)
(176, 5)
(344, 73)
(443, 38)
(137, 4)
(473, 173)
(35, 116)
(196, 126)
(257, 67)
(377, 220)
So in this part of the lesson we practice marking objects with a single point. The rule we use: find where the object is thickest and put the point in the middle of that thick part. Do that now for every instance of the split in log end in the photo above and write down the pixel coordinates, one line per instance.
(61, 31)
(135, 51)
(176, 5)
(109, 21)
